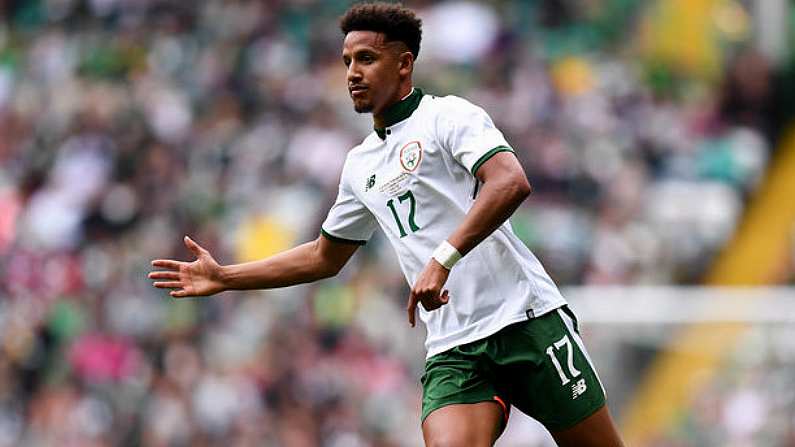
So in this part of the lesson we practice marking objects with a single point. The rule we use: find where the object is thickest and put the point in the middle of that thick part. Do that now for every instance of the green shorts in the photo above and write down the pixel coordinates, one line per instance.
(539, 366)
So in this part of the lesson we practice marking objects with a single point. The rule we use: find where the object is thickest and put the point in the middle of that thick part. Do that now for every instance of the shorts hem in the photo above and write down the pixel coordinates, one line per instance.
(565, 426)
(463, 400)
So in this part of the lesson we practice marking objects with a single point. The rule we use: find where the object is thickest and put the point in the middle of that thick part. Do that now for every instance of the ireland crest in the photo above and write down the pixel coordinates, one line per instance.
(411, 156)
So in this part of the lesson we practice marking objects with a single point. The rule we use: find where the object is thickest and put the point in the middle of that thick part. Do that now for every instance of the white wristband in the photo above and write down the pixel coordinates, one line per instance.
(446, 254)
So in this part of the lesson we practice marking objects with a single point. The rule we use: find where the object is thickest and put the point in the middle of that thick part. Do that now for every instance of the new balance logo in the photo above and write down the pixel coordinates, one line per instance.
(370, 183)
(578, 388)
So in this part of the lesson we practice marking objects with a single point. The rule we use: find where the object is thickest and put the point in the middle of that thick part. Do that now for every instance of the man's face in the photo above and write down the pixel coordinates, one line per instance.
(374, 70)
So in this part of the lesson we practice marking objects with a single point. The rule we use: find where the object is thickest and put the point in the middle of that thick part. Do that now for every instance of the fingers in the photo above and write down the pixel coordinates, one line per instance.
(433, 300)
(411, 308)
(167, 264)
(164, 275)
(180, 290)
(430, 301)
(172, 274)
(195, 248)
(168, 284)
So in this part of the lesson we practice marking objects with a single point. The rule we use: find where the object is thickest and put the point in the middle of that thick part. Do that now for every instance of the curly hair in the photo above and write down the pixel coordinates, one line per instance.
(395, 21)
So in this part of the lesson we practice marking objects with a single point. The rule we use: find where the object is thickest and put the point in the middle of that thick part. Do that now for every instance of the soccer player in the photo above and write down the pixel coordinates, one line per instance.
(440, 180)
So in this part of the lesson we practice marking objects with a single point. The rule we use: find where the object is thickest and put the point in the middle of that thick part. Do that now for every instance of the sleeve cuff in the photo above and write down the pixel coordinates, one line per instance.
(485, 157)
(340, 240)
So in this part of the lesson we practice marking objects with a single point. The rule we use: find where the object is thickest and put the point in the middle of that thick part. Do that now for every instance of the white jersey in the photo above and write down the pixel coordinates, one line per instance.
(415, 179)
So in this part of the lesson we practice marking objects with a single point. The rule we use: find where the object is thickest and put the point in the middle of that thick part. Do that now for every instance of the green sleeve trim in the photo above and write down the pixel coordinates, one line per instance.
(333, 238)
(487, 156)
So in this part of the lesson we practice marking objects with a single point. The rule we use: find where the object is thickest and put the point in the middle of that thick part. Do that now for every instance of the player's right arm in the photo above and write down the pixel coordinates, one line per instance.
(308, 262)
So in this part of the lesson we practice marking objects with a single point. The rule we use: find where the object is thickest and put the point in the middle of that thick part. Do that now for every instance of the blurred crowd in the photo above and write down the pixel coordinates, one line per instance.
(126, 124)
(750, 402)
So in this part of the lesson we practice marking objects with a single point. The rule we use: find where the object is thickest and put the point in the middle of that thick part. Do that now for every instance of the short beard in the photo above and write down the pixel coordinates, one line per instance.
(364, 108)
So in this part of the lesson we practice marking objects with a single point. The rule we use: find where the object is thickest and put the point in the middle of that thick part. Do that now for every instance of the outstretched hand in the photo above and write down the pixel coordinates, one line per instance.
(201, 277)
(428, 290)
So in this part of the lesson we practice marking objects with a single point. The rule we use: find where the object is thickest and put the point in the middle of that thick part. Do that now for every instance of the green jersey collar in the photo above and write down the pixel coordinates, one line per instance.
(399, 111)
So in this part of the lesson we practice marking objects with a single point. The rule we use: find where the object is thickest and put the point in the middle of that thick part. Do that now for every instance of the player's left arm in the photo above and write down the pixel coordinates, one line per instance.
(504, 188)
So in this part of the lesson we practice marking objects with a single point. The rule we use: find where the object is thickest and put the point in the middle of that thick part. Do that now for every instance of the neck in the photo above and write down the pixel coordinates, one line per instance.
(379, 119)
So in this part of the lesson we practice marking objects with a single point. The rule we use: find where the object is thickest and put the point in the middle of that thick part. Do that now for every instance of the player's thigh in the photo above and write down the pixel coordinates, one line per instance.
(597, 430)
(457, 376)
(464, 425)
(547, 372)
(460, 403)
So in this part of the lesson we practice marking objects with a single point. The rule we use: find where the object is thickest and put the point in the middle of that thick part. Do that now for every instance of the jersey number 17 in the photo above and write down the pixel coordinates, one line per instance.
(413, 207)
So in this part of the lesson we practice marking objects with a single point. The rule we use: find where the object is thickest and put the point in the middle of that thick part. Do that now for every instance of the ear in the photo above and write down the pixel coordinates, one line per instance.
(405, 64)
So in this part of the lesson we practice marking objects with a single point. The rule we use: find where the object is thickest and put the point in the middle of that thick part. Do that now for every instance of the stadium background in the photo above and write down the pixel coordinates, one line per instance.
(655, 134)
